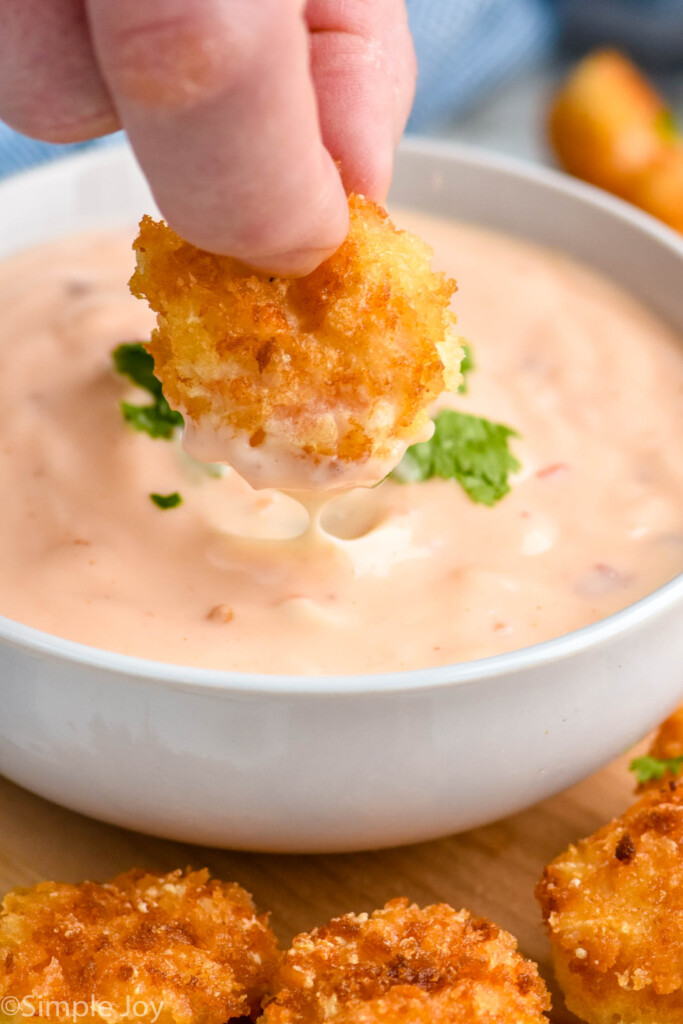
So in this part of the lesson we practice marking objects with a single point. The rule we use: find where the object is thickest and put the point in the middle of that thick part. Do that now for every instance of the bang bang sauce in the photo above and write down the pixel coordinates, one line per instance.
(402, 576)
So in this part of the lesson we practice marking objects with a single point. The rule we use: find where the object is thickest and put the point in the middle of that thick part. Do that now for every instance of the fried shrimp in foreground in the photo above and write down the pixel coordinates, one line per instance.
(404, 965)
(182, 948)
(316, 382)
(614, 911)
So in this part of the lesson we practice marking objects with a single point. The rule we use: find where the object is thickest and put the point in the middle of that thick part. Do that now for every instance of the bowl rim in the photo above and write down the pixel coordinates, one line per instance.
(219, 681)
(223, 681)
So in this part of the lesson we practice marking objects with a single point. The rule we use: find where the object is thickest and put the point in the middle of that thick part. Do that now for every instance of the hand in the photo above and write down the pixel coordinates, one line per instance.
(237, 109)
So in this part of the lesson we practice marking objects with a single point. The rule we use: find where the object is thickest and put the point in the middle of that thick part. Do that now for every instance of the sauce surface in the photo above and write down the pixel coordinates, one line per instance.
(398, 577)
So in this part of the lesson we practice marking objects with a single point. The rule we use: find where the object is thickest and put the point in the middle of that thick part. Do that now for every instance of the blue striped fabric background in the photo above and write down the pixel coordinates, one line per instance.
(466, 47)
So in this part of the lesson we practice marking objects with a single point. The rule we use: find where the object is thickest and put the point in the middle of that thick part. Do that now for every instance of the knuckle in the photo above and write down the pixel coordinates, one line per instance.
(178, 63)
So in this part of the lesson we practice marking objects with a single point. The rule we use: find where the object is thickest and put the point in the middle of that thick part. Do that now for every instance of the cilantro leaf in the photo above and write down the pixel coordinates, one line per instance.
(469, 449)
(157, 420)
(167, 500)
(649, 769)
(467, 365)
(666, 125)
(132, 360)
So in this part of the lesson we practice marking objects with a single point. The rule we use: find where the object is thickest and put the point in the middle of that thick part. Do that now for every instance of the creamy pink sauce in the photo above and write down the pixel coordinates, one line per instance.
(415, 575)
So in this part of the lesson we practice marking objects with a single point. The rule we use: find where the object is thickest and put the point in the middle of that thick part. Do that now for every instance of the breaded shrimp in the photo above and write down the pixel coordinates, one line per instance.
(614, 911)
(404, 965)
(609, 126)
(666, 746)
(668, 743)
(184, 949)
(659, 188)
(302, 383)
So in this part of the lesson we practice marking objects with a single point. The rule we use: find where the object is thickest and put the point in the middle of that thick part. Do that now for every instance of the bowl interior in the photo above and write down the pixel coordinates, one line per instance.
(106, 189)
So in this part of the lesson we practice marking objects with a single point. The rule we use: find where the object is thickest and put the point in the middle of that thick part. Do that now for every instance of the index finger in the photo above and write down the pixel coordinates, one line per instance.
(217, 99)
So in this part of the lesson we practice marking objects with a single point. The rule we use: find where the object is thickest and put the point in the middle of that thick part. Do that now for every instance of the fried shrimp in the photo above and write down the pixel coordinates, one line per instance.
(609, 126)
(312, 383)
(404, 965)
(668, 742)
(614, 911)
(667, 747)
(181, 948)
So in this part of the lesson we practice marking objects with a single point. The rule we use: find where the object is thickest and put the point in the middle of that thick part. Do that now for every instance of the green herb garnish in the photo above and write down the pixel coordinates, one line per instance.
(649, 769)
(167, 500)
(666, 126)
(132, 360)
(467, 365)
(469, 449)
(158, 419)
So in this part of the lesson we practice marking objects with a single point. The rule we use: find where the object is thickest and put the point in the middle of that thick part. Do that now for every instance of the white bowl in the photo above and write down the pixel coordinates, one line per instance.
(341, 763)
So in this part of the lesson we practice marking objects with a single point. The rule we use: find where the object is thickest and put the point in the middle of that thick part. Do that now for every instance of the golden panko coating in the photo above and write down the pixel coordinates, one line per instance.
(659, 188)
(173, 949)
(404, 965)
(312, 382)
(668, 742)
(666, 746)
(609, 126)
(614, 911)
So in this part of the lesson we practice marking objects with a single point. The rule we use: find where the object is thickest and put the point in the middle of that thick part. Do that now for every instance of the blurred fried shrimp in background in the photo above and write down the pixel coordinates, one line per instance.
(613, 904)
(316, 382)
(659, 187)
(406, 965)
(610, 127)
(188, 949)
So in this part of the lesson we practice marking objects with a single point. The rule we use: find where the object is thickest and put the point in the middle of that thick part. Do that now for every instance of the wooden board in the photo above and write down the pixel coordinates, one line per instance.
(492, 870)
